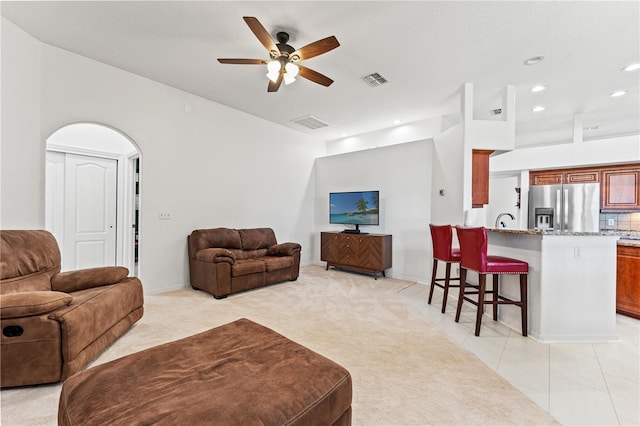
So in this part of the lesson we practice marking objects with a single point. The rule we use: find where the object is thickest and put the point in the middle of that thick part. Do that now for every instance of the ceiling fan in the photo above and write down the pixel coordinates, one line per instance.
(284, 62)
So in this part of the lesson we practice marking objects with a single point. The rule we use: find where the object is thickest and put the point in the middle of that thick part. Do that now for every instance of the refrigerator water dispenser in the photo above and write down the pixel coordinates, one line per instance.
(544, 218)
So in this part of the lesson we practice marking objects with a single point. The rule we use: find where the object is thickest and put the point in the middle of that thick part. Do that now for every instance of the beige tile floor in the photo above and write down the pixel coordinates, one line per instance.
(577, 383)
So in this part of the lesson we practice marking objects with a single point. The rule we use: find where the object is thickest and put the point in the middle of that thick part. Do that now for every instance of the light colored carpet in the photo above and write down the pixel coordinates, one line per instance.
(404, 371)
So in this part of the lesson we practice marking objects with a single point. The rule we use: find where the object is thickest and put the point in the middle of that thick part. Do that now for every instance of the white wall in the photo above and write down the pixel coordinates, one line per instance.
(402, 133)
(494, 134)
(213, 166)
(402, 173)
(625, 149)
(452, 168)
(503, 199)
(22, 148)
(448, 176)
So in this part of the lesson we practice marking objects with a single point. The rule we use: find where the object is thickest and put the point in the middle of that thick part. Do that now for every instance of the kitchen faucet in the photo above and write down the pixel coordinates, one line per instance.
(500, 216)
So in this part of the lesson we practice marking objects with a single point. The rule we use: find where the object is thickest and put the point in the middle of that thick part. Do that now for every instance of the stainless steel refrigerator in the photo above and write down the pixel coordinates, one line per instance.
(570, 207)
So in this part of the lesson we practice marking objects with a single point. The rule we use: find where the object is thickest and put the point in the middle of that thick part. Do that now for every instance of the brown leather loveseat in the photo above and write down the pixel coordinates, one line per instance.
(223, 261)
(54, 323)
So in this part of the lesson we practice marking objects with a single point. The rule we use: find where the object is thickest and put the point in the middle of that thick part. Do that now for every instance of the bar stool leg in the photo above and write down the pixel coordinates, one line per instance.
(447, 278)
(523, 301)
(482, 283)
(463, 284)
(433, 279)
(496, 289)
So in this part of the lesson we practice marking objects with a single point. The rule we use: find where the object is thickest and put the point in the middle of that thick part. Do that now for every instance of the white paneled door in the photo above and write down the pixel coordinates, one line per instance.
(90, 212)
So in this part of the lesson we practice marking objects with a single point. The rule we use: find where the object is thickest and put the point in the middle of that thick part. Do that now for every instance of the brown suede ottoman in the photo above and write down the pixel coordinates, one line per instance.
(241, 373)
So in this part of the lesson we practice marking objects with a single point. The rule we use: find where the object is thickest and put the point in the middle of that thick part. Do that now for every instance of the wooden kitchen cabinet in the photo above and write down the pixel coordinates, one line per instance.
(619, 185)
(628, 281)
(562, 176)
(582, 176)
(480, 177)
(620, 188)
(545, 178)
(358, 252)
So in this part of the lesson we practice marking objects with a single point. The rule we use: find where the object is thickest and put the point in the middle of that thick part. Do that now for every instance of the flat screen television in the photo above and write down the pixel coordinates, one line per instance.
(354, 208)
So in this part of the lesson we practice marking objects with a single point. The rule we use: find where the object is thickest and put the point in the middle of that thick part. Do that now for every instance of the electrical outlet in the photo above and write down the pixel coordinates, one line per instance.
(611, 222)
(164, 215)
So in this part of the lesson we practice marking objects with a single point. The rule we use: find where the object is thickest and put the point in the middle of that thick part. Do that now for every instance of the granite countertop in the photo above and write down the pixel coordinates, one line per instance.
(627, 238)
(537, 232)
(628, 242)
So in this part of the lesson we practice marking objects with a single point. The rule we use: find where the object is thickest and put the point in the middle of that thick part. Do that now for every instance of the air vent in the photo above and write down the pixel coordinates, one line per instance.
(374, 80)
(310, 122)
(496, 111)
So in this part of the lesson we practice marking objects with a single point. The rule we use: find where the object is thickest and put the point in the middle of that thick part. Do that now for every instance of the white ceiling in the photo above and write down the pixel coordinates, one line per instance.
(426, 50)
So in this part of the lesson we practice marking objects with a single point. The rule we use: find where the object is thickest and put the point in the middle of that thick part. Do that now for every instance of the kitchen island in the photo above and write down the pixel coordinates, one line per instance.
(572, 283)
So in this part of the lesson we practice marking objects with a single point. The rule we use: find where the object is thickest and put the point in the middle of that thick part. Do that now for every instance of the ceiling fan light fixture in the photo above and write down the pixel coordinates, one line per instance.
(288, 79)
(291, 69)
(281, 55)
(274, 66)
(273, 76)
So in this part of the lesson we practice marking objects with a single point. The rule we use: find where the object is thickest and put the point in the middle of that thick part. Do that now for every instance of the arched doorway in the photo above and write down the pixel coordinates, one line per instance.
(93, 196)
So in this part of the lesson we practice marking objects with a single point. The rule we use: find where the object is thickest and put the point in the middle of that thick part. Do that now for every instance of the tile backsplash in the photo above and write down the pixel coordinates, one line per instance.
(621, 221)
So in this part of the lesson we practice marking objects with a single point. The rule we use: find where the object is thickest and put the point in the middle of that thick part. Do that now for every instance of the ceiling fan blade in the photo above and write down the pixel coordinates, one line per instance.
(261, 33)
(273, 87)
(242, 61)
(316, 48)
(314, 76)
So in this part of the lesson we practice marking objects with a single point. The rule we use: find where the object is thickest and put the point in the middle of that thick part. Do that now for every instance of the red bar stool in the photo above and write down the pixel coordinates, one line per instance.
(441, 238)
(473, 250)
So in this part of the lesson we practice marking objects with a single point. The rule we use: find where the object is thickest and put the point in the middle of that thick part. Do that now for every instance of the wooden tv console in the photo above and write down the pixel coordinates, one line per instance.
(358, 252)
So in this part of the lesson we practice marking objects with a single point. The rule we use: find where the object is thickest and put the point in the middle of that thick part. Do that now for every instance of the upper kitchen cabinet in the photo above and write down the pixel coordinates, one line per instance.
(619, 185)
(550, 177)
(621, 188)
(480, 177)
(562, 176)
(582, 176)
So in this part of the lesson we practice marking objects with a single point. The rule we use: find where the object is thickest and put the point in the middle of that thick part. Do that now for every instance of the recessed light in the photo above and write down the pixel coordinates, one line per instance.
(538, 108)
(617, 94)
(534, 60)
(397, 121)
(590, 128)
(632, 67)
(538, 88)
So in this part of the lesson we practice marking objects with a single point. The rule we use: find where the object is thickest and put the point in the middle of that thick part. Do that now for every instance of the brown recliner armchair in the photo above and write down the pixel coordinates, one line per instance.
(53, 323)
